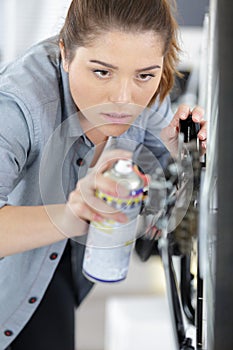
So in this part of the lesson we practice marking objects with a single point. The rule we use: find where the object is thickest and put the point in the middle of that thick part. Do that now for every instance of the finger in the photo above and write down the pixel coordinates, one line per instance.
(198, 117)
(198, 114)
(146, 178)
(97, 180)
(82, 211)
(85, 193)
(106, 210)
(202, 134)
(203, 147)
(182, 112)
(88, 207)
(96, 210)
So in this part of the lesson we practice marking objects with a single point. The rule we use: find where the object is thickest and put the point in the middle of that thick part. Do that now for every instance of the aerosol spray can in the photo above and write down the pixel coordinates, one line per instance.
(110, 243)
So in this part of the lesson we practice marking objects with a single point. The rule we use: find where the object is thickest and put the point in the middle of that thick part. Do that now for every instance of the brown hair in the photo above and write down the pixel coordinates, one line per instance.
(86, 19)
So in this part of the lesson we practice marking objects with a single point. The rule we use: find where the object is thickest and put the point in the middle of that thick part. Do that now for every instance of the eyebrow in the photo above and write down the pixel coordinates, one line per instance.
(108, 65)
(104, 64)
(156, 66)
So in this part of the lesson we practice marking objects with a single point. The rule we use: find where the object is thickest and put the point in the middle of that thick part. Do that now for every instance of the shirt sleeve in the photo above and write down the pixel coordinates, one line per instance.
(14, 145)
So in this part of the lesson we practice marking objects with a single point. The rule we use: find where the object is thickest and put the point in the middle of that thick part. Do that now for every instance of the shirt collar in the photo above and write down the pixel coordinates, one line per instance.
(70, 121)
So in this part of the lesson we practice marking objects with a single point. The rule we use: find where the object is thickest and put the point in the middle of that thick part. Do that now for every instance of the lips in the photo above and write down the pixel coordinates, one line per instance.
(117, 117)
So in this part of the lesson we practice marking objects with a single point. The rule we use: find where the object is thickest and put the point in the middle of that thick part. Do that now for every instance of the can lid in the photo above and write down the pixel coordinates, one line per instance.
(123, 166)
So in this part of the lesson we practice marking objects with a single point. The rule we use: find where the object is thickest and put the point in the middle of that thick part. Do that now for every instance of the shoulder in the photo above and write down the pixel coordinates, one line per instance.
(160, 113)
(154, 118)
(30, 91)
(34, 77)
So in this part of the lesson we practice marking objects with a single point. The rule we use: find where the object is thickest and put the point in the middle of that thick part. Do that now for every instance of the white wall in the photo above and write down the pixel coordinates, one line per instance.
(25, 22)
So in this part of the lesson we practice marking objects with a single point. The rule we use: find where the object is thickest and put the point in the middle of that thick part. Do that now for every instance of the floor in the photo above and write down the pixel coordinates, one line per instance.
(138, 303)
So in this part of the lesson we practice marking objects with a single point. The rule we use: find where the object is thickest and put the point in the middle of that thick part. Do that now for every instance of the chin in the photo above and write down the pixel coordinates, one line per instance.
(114, 129)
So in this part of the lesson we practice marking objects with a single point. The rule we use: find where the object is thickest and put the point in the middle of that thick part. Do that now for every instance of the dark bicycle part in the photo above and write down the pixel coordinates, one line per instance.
(186, 279)
(184, 236)
(187, 345)
(179, 296)
(173, 298)
(176, 304)
(199, 310)
(161, 197)
(182, 342)
(187, 228)
(146, 247)
(189, 129)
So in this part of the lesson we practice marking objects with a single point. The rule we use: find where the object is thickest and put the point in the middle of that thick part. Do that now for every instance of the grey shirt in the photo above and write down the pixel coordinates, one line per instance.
(41, 145)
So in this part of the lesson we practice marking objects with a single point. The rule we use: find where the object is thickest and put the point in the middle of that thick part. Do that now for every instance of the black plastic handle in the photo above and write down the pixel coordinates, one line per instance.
(189, 128)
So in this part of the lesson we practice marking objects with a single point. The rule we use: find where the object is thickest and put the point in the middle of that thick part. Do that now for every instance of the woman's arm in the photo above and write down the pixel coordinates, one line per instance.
(28, 227)
(25, 228)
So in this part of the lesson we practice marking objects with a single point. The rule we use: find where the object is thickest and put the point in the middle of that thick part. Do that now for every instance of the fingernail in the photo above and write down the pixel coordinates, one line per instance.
(196, 118)
(183, 115)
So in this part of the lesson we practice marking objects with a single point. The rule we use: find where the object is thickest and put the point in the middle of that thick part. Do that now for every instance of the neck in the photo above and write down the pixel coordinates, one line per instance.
(93, 133)
(96, 136)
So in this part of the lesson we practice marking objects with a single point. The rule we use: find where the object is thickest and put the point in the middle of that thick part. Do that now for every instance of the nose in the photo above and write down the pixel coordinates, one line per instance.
(121, 92)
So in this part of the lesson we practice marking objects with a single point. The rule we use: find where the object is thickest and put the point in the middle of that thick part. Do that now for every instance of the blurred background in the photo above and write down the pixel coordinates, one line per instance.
(133, 314)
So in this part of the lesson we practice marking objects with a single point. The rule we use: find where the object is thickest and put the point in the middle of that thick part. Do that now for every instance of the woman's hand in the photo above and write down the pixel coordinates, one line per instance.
(169, 134)
(84, 204)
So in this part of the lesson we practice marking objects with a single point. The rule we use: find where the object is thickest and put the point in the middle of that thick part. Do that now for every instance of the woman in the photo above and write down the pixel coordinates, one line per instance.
(59, 104)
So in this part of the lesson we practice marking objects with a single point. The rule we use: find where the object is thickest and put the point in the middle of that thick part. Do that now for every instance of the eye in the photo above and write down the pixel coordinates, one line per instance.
(145, 76)
(101, 73)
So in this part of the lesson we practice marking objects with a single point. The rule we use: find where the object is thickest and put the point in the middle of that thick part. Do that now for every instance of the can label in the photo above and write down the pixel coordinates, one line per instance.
(110, 243)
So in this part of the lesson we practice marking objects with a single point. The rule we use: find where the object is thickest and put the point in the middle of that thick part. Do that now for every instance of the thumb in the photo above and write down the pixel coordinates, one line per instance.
(169, 133)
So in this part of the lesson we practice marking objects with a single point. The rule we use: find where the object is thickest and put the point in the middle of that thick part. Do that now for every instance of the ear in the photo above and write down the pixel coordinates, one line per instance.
(63, 56)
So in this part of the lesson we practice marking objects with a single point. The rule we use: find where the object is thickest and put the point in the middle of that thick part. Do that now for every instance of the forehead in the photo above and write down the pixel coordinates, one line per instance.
(121, 44)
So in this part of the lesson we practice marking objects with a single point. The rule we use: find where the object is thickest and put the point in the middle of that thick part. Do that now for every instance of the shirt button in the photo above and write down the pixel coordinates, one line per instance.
(32, 300)
(53, 256)
(8, 333)
(80, 162)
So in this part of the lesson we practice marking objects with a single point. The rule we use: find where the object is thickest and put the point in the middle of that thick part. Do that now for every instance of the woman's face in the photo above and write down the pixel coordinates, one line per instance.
(114, 79)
